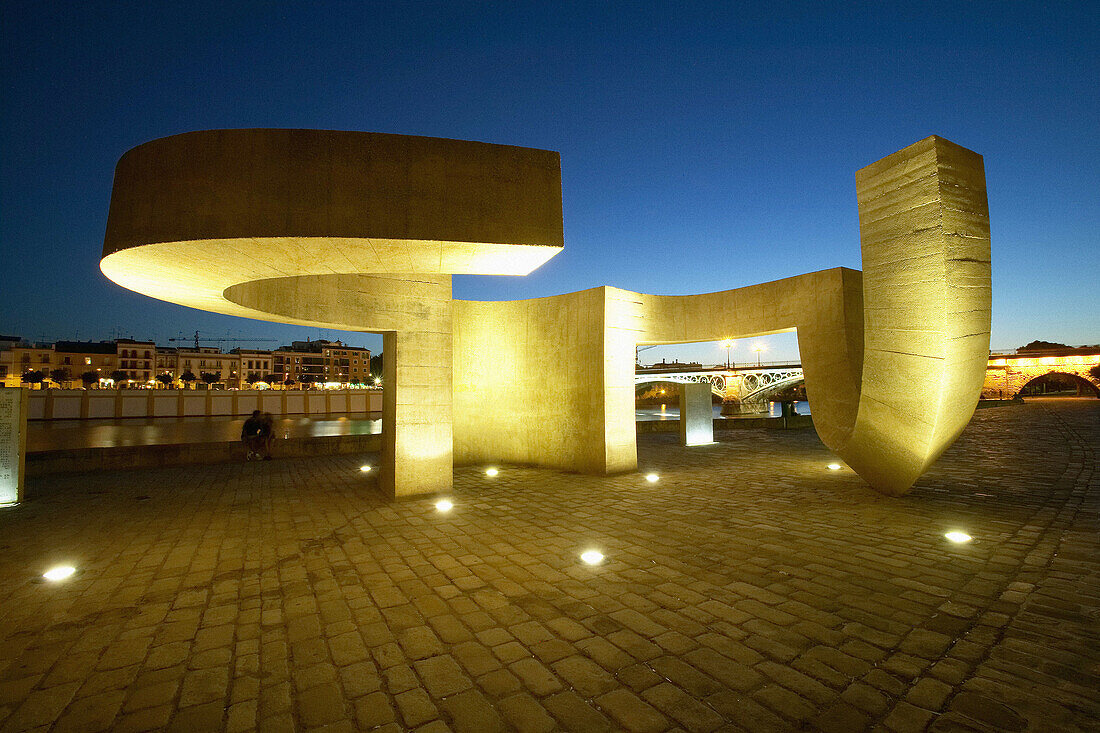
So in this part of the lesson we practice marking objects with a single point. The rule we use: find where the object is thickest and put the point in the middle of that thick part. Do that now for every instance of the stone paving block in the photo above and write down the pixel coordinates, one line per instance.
(321, 704)
(415, 707)
(525, 714)
(499, 683)
(585, 676)
(373, 710)
(149, 719)
(91, 714)
(471, 713)
(198, 719)
(153, 695)
(535, 677)
(204, 685)
(442, 676)
(629, 711)
(683, 708)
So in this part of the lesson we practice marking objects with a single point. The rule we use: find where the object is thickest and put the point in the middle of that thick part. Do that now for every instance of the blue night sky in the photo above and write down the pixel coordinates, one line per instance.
(703, 147)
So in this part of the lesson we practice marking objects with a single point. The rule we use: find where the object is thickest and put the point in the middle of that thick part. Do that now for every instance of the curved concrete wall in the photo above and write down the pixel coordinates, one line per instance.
(894, 358)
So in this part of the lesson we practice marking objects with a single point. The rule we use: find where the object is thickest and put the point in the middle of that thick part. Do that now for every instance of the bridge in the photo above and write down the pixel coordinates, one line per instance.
(1006, 374)
(1009, 372)
(749, 387)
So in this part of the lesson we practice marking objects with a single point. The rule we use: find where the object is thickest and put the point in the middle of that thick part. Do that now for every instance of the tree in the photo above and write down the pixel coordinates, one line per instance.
(210, 377)
(188, 377)
(119, 377)
(253, 377)
(89, 378)
(34, 377)
(166, 379)
(289, 382)
(376, 366)
(1042, 346)
(61, 375)
(273, 378)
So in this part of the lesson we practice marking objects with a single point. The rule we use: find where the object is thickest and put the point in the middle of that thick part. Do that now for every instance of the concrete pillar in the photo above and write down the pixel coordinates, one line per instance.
(416, 413)
(696, 414)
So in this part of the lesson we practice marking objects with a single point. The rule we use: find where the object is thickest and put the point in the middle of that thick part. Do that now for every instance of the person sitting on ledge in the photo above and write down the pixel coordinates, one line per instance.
(254, 435)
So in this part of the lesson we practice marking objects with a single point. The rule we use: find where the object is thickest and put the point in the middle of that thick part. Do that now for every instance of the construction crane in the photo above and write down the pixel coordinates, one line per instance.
(196, 340)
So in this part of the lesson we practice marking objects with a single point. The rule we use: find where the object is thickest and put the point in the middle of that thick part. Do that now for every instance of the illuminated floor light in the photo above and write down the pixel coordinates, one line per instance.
(652, 478)
(834, 467)
(491, 472)
(59, 573)
(444, 505)
(365, 469)
(592, 557)
(958, 537)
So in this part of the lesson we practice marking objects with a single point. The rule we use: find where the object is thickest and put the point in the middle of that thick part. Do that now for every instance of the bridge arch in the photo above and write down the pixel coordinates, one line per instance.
(1084, 386)
(717, 382)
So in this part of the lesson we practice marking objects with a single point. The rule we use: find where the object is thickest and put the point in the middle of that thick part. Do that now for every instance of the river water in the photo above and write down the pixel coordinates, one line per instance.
(43, 435)
(672, 412)
(71, 434)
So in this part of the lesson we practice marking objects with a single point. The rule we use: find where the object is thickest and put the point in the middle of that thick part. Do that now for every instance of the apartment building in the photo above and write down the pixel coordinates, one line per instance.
(318, 362)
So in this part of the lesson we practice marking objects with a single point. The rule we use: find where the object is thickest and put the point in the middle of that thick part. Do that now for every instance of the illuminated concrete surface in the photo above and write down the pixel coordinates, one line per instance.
(894, 357)
(349, 230)
(749, 589)
(362, 231)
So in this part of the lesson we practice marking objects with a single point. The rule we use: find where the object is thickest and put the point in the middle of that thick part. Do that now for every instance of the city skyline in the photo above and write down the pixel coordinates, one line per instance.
(701, 151)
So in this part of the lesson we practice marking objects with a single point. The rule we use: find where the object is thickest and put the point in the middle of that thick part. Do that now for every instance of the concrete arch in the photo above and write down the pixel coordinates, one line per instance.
(717, 383)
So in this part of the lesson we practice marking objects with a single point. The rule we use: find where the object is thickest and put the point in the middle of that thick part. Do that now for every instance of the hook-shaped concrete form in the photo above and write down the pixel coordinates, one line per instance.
(894, 357)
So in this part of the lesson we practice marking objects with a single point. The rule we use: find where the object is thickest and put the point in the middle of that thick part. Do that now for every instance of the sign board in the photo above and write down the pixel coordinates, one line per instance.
(13, 443)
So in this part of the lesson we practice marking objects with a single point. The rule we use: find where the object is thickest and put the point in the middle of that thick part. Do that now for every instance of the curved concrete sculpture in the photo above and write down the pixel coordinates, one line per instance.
(350, 230)
(361, 231)
(894, 357)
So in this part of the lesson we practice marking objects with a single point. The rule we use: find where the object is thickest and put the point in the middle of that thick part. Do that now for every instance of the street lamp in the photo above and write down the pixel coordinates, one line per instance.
(758, 348)
(727, 344)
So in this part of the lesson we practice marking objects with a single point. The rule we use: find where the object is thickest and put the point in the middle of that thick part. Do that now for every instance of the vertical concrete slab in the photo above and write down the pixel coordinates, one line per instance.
(696, 414)
(417, 410)
(13, 444)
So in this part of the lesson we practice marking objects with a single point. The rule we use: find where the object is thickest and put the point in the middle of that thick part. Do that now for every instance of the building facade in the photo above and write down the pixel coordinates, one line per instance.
(142, 364)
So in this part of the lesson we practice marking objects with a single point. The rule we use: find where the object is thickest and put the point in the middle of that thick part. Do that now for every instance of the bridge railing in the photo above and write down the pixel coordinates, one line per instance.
(681, 368)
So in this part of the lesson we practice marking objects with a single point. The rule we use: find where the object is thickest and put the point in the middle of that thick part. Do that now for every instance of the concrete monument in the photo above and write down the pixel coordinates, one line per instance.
(362, 231)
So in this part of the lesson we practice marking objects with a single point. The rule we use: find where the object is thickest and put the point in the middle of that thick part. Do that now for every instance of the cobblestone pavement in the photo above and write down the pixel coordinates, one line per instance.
(750, 588)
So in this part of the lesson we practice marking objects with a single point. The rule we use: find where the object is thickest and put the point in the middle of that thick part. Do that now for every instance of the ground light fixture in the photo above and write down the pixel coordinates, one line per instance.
(444, 505)
(592, 557)
(59, 573)
(365, 469)
(491, 472)
(834, 467)
(958, 537)
(652, 478)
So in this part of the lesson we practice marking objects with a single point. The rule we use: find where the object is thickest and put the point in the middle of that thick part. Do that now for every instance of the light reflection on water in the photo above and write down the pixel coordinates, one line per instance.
(672, 412)
(45, 435)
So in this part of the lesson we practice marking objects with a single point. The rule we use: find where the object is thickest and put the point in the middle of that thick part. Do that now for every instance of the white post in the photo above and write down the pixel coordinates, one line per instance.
(13, 444)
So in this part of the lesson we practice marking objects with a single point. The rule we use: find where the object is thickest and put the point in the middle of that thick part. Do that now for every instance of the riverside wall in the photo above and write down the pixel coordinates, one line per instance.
(110, 404)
